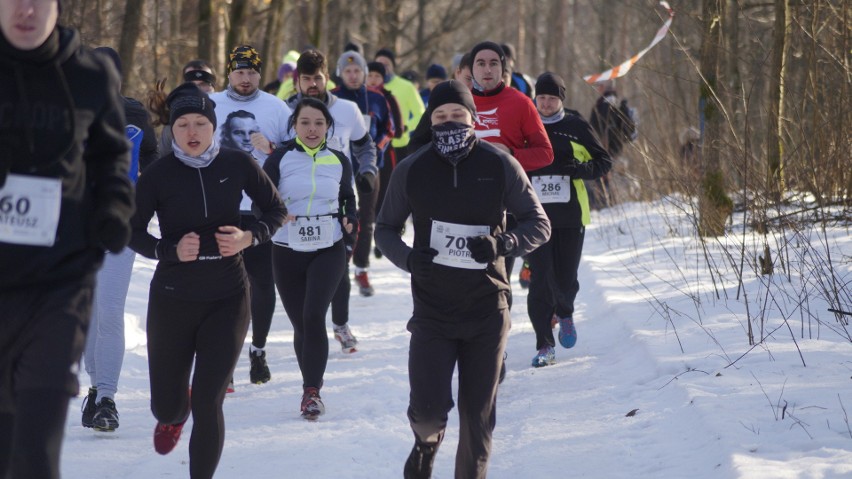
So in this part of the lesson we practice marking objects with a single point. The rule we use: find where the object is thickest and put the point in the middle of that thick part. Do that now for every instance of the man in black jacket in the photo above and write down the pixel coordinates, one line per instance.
(457, 193)
(65, 197)
(578, 156)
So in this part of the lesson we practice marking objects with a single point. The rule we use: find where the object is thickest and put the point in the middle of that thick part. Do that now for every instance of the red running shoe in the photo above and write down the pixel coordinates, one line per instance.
(166, 437)
(364, 286)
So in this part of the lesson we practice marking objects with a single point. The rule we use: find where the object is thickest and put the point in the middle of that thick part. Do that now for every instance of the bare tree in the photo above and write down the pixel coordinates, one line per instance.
(774, 148)
(715, 206)
(205, 29)
(129, 36)
(273, 38)
(237, 14)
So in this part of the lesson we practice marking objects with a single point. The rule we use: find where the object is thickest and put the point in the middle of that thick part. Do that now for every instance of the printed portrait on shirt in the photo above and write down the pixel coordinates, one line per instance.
(237, 130)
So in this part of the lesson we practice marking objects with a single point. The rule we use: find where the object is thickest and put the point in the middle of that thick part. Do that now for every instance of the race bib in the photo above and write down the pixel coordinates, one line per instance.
(450, 240)
(29, 210)
(552, 189)
(311, 234)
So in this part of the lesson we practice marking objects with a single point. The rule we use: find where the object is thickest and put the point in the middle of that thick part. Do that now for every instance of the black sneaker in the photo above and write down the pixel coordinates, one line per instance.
(420, 461)
(259, 372)
(89, 407)
(106, 416)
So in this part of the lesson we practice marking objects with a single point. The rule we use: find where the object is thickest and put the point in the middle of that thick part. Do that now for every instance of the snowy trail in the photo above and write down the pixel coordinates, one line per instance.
(696, 418)
(547, 417)
(561, 417)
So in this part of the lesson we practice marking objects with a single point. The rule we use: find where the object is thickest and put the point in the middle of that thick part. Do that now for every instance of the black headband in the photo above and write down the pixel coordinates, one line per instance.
(200, 75)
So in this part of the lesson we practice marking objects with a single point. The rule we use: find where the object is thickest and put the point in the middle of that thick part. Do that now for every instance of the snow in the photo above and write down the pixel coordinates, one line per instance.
(659, 333)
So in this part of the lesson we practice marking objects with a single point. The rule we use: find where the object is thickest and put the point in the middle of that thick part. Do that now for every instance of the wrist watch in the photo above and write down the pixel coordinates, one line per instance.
(508, 244)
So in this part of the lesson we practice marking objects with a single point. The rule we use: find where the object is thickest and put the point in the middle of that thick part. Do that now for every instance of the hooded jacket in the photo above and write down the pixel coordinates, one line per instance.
(62, 117)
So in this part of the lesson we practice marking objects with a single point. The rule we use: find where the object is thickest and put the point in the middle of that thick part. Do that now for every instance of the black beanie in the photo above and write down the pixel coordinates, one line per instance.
(386, 52)
(188, 98)
(549, 83)
(112, 55)
(377, 67)
(488, 46)
(452, 91)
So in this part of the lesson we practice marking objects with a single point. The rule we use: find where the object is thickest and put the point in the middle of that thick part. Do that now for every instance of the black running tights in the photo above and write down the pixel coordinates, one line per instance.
(258, 263)
(306, 282)
(212, 334)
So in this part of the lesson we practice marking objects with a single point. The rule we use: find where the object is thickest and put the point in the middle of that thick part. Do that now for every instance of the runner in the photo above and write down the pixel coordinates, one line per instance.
(256, 122)
(553, 266)
(198, 303)
(349, 130)
(309, 256)
(66, 198)
(104, 352)
(352, 69)
(410, 103)
(457, 193)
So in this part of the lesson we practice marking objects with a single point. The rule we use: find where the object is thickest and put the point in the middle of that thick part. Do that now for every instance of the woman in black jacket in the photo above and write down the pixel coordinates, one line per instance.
(198, 307)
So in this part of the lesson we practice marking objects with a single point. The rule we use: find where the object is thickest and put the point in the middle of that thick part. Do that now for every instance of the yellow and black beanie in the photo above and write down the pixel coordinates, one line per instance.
(244, 56)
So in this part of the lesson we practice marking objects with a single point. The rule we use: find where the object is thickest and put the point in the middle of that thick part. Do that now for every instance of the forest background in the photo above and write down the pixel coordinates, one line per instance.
(766, 83)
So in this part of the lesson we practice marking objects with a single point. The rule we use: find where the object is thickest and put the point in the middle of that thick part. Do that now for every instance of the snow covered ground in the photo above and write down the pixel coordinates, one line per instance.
(660, 334)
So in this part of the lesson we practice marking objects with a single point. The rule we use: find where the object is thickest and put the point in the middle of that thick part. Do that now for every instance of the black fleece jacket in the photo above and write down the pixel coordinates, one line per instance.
(201, 200)
(61, 116)
(479, 190)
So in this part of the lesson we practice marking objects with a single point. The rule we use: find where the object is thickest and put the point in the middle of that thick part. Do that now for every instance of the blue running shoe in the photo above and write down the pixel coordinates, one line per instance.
(545, 357)
(567, 332)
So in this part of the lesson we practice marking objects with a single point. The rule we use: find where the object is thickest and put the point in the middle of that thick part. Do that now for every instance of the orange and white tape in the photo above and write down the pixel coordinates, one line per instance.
(622, 69)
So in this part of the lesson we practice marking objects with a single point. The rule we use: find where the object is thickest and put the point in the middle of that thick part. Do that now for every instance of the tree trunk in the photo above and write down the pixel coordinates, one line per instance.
(422, 63)
(175, 35)
(319, 20)
(129, 35)
(237, 34)
(205, 29)
(273, 39)
(775, 150)
(714, 205)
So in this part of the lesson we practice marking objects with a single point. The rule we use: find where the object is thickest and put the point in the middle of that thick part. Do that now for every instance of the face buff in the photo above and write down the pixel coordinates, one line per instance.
(453, 140)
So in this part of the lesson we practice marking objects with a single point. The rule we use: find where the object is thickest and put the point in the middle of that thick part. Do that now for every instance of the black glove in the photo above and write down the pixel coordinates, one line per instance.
(110, 232)
(419, 262)
(483, 249)
(365, 183)
(570, 167)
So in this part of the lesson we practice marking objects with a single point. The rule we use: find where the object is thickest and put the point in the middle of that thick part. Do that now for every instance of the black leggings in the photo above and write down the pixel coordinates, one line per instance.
(553, 281)
(366, 224)
(258, 263)
(340, 300)
(384, 176)
(212, 333)
(306, 282)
